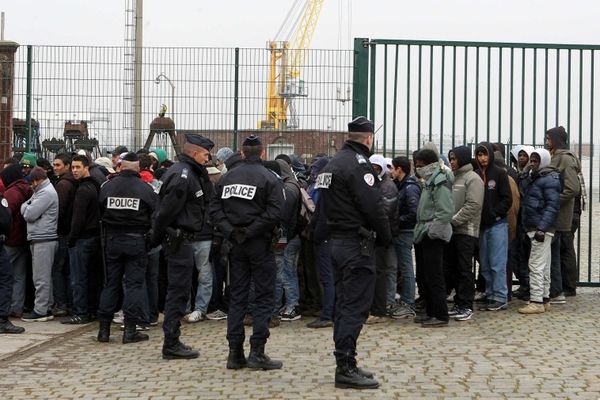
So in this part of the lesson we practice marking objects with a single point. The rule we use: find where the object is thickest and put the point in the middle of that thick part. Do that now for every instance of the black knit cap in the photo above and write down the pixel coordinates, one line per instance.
(199, 140)
(252, 141)
(361, 124)
(131, 156)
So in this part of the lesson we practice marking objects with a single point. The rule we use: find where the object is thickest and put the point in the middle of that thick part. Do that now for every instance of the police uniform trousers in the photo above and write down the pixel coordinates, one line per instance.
(180, 266)
(125, 257)
(252, 260)
(354, 289)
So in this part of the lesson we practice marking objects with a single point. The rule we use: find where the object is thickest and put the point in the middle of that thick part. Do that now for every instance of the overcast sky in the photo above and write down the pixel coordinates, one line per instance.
(250, 23)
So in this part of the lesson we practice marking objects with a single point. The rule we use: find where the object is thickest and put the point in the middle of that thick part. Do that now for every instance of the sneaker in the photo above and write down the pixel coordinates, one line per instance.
(484, 307)
(119, 318)
(35, 317)
(463, 314)
(532, 308)
(480, 297)
(402, 310)
(7, 327)
(153, 323)
(138, 328)
(216, 315)
(320, 323)
(59, 312)
(559, 299)
(450, 297)
(497, 306)
(453, 311)
(195, 316)
(374, 319)
(291, 314)
(76, 320)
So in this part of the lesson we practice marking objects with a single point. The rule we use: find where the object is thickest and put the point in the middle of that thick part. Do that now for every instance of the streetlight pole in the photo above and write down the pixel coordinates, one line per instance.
(157, 81)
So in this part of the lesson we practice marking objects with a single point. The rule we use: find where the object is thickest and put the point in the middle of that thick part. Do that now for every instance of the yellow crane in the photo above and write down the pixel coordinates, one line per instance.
(286, 60)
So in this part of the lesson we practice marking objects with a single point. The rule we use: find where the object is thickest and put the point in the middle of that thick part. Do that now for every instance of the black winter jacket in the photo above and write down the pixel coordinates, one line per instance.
(498, 196)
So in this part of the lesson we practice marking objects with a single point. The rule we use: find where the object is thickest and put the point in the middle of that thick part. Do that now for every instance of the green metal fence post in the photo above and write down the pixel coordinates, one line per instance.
(360, 82)
(236, 98)
(28, 98)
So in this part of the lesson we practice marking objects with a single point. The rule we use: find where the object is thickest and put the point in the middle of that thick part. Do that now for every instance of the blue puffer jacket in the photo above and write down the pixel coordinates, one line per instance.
(409, 193)
(541, 203)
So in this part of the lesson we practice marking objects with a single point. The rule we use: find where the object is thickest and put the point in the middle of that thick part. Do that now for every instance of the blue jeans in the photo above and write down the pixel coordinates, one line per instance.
(86, 282)
(287, 269)
(493, 254)
(18, 256)
(60, 275)
(205, 274)
(403, 243)
(323, 261)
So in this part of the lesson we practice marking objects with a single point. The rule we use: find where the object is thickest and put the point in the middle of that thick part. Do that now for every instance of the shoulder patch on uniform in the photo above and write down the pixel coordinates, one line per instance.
(323, 180)
(158, 186)
(369, 179)
(246, 192)
(199, 193)
(184, 173)
(361, 159)
(123, 203)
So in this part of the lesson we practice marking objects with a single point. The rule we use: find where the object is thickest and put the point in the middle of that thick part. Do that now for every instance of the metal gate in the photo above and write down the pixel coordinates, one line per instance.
(455, 93)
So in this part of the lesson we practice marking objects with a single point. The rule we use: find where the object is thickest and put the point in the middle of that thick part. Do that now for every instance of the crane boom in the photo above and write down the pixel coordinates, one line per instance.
(284, 69)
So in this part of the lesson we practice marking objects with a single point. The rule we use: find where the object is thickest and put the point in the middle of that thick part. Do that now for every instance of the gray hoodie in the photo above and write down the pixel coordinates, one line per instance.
(41, 213)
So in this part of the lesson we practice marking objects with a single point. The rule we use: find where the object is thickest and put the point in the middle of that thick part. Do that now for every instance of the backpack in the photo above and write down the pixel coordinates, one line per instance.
(5, 217)
(305, 213)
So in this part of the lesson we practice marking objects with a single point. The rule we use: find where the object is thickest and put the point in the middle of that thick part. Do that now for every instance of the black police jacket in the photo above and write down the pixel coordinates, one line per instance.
(127, 203)
(352, 200)
(185, 192)
(249, 197)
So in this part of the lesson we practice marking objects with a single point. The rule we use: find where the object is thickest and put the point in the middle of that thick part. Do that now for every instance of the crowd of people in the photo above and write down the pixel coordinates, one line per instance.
(229, 235)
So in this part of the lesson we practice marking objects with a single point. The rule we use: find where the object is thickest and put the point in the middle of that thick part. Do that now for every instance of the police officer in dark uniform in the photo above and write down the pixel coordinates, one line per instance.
(126, 207)
(356, 223)
(246, 209)
(180, 218)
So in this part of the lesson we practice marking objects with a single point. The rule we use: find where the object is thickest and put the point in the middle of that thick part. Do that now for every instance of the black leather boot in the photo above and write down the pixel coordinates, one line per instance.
(236, 358)
(104, 331)
(173, 349)
(257, 358)
(131, 335)
(347, 375)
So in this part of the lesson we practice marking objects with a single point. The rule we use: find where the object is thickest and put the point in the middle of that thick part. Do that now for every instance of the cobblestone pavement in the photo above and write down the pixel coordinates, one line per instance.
(495, 355)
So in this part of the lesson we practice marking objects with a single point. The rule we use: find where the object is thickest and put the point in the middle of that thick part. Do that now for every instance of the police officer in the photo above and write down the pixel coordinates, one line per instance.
(355, 222)
(179, 219)
(126, 207)
(246, 209)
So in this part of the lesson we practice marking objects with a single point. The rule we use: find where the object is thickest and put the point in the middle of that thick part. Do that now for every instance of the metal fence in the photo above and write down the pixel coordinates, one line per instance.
(205, 89)
(455, 93)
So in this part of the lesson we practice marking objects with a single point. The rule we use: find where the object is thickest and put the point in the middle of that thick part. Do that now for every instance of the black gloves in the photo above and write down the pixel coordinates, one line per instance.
(539, 236)
(239, 235)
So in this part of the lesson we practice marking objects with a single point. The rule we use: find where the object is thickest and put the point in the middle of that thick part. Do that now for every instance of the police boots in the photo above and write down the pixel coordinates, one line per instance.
(257, 359)
(236, 358)
(131, 335)
(173, 349)
(104, 331)
(348, 375)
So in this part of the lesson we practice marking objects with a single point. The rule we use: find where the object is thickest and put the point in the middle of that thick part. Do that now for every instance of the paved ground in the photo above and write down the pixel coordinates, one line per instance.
(495, 355)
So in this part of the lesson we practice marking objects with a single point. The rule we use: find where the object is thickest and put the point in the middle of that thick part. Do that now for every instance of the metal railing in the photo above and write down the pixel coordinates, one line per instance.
(205, 89)
(455, 93)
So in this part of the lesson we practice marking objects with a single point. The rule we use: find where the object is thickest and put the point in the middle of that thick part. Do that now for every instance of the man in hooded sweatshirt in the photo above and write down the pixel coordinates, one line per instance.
(520, 247)
(432, 230)
(564, 264)
(493, 236)
(41, 214)
(467, 191)
(540, 209)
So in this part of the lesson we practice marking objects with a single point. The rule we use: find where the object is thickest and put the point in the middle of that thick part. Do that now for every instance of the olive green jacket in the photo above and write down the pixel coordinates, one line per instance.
(436, 207)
